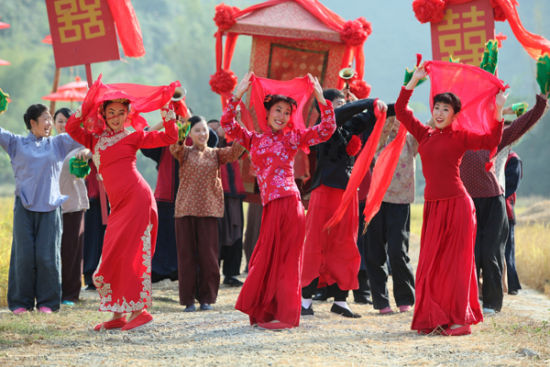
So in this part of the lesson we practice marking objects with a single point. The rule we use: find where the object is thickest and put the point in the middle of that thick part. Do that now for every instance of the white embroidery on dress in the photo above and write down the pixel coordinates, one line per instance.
(106, 139)
(105, 292)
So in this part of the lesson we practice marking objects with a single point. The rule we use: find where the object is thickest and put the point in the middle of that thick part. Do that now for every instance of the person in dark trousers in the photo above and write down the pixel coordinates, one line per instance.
(232, 224)
(94, 228)
(513, 173)
(388, 231)
(165, 263)
(488, 197)
(332, 258)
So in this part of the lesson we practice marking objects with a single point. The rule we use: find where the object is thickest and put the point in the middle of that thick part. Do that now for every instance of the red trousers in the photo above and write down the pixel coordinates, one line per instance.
(272, 290)
(331, 255)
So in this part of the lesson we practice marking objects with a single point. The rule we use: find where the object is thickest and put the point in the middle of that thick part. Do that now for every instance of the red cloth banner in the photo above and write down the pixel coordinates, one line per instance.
(463, 32)
(83, 32)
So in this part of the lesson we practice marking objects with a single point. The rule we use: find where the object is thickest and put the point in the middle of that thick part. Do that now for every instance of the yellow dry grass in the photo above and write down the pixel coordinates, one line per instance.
(6, 224)
(533, 255)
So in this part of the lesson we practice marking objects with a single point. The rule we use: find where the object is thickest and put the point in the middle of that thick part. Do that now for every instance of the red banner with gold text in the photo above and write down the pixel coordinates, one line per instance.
(83, 32)
(463, 32)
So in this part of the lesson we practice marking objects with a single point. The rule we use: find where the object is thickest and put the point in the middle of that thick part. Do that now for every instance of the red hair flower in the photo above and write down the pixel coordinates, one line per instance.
(225, 16)
(354, 146)
(360, 88)
(429, 10)
(353, 33)
(223, 81)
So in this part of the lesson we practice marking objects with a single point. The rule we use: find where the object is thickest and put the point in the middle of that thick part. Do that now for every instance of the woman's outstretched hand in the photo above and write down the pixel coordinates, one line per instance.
(317, 89)
(381, 105)
(243, 85)
(419, 73)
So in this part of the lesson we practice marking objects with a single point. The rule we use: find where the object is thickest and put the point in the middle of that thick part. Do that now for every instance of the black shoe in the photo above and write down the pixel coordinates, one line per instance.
(344, 311)
(232, 282)
(362, 299)
(206, 307)
(173, 275)
(307, 311)
(90, 287)
(190, 308)
(320, 295)
(513, 292)
(156, 277)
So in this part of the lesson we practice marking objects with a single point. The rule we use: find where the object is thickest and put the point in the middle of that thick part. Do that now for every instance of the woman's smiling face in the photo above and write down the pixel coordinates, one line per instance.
(443, 115)
(279, 115)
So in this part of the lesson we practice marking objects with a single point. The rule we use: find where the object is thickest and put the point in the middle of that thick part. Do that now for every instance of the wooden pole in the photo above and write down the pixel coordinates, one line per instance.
(89, 75)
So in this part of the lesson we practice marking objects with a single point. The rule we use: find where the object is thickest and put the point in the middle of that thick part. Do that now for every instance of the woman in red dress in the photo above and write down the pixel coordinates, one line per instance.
(446, 283)
(123, 276)
(271, 292)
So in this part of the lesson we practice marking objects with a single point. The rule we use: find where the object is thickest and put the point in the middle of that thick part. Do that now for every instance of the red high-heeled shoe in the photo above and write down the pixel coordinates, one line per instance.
(143, 318)
(111, 324)
(462, 330)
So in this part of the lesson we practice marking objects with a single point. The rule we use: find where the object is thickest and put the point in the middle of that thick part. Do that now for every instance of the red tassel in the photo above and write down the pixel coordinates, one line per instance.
(360, 88)
(354, 146)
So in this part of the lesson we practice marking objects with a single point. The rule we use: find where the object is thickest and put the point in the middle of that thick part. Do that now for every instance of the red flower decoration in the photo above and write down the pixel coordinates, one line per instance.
(360, 88)
(353, 33)
(367, 26)
(223, 81)
(225, 16)
(354, 146)
(429, 10)
(498, 12)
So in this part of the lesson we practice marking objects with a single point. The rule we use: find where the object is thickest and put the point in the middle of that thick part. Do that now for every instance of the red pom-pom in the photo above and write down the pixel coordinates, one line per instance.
(498, 12)
(360, 88)
(223, 81)
(354, 146)
(225, 16)
(353, 33)
(367, 26)
(429, 10)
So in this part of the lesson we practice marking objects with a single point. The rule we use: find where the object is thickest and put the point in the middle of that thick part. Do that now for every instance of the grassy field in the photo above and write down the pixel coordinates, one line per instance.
(532, 246)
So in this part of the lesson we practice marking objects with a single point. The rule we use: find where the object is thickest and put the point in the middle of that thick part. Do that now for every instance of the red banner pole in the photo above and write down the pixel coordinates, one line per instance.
(89, 78)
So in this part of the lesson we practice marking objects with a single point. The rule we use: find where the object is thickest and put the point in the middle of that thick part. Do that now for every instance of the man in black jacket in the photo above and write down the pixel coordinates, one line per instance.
(333, 256)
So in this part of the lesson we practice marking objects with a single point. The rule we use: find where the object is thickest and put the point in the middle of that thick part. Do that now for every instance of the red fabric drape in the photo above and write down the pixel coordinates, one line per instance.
(143, 98)
(382, 174)
(534, 44)
(478, 104)
(127, 26)
(298, 88)
(360, 168)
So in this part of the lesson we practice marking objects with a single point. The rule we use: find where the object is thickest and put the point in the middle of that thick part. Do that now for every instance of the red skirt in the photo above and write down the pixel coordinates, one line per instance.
(331, 255)
(446, 281)
(272, 290)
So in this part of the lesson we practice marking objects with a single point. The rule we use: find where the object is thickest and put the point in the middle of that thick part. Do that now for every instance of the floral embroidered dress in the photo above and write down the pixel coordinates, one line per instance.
(123, 276)
(272, 290)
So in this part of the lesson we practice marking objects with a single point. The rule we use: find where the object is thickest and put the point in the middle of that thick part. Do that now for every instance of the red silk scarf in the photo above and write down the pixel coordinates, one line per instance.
(143, 98)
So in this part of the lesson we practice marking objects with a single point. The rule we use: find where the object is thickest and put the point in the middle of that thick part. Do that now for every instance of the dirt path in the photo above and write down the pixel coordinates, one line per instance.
(518, 336)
